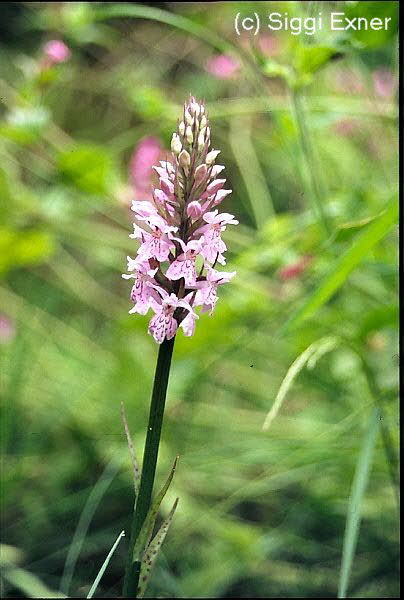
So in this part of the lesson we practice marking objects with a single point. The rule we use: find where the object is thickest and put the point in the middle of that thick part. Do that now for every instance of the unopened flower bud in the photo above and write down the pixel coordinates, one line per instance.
(194, 209)
(184, 159)
(181, 128)
(188, 118)
(188, 135)
(200, 173)
(196, 109)
(216, 170)
(176, 145)
(203, 122)
(211, 156)
(201, 141)
(167, 186)
(215, 186)
(220, 195)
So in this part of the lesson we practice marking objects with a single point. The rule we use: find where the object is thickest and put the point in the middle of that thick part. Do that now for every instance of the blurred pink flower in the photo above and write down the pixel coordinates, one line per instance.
(268, 44)
(222, 66)
(146, 154)
(345, 127)
(384, 83)
(295, 269)
(349, 81)
(56, 51)
(7, 329)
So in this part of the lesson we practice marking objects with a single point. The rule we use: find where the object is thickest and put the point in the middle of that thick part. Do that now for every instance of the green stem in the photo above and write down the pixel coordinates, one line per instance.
(316, 192)
(151, 449)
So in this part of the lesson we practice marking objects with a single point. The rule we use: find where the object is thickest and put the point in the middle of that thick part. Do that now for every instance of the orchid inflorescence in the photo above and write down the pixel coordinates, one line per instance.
(180, 232)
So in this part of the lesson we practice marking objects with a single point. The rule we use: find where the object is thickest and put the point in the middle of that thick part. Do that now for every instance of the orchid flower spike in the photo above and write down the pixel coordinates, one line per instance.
(178, 226)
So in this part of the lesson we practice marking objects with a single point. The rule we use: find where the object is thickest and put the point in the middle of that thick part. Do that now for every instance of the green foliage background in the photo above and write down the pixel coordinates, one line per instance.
(303, 508)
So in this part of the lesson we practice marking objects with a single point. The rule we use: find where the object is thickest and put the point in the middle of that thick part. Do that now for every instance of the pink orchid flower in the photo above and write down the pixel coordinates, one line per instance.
(143, 292)
(214, 246)
(163, 325)
(206, 295)
(184, 264)
(175, 225)
(156, 243)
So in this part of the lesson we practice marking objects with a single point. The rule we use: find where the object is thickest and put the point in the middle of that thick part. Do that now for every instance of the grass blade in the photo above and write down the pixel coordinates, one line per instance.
(84, 522)
(250, 169)
(142, 11)
(359, 484)
(105, 565)
(309, 357)
(29, 584)
(342, 268)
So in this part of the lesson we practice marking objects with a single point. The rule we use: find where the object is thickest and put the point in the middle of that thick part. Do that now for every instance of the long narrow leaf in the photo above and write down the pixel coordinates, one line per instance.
(151, 553)
(147, 529)
(359, 484)
(104, 565)
(135, 464)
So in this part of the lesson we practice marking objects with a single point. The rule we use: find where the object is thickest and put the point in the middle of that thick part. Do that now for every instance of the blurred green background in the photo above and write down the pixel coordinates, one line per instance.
(307, 126)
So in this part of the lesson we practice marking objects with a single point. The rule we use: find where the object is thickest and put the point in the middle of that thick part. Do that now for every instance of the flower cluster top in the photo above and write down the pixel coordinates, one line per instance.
(180, 233)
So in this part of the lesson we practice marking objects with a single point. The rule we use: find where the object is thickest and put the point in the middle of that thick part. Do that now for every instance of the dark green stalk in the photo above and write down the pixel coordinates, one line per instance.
(151, 449)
